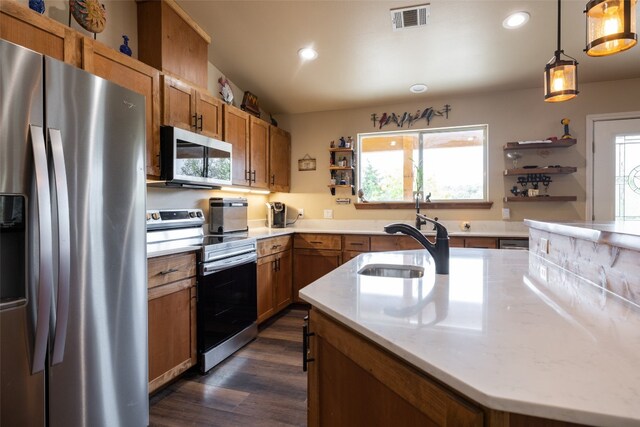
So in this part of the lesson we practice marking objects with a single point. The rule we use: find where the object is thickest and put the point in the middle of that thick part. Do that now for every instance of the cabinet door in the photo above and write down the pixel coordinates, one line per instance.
(128, 72)
(259, 154)
(279, 159)
(349, 255)
(170, 331)
(236, 133)
(23, 26)
(178, 104)
(309, 265)
(209, 111)
(283, 283)
(265, 284)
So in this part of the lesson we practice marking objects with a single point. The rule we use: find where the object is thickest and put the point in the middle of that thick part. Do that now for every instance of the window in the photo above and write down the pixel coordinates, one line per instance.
(449, 163)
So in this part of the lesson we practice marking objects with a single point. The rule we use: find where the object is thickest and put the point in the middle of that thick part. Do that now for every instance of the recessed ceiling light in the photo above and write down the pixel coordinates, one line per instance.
(307, 53)
(418, 88)
(516, 20)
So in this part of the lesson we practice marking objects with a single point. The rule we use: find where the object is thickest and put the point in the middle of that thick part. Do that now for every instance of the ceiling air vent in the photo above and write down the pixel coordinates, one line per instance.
(410, 17)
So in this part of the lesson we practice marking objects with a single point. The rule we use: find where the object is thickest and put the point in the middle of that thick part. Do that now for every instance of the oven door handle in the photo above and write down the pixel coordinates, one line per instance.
(217, 266)
(228, 255)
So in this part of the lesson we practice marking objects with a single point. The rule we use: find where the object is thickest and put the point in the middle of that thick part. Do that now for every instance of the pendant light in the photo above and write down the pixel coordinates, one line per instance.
(560, 75)
(611, 26)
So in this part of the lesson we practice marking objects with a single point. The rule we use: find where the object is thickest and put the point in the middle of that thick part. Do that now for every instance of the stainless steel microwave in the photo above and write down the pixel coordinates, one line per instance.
(192, 159)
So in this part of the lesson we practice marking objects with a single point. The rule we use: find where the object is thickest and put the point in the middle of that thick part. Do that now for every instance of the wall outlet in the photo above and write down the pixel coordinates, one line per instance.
(300, 213)
(544, 245)
(328, 214)
(506, 213)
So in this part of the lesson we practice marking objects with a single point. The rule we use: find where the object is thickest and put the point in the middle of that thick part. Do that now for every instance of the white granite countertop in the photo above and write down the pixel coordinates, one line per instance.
(625, 234)
(505, 328)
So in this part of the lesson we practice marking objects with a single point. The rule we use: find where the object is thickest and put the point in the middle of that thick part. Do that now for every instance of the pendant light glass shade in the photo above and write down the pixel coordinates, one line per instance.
(560, 75)
(560, 79)
(611, 26)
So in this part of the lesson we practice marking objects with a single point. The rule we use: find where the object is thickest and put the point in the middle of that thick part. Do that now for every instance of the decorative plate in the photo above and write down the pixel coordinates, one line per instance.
(90, 14)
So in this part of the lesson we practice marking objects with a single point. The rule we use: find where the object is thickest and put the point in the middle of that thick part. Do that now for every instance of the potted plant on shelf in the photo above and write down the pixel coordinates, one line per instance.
(418, 194)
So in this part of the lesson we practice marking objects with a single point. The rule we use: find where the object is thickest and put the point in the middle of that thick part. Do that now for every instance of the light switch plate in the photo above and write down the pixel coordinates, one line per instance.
(506, 213)
(328, 213)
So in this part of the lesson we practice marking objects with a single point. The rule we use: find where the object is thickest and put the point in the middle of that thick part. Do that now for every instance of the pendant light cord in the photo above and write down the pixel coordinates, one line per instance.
(559, 29)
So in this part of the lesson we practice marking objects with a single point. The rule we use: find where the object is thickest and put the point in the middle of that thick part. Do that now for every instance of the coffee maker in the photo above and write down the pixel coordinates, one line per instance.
(276, 215)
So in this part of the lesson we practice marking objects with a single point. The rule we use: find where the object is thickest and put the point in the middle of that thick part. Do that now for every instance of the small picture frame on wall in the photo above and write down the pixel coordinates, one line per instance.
(307, 163)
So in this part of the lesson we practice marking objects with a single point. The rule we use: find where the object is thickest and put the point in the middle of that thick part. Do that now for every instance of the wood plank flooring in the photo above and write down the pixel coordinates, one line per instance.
(260, 385)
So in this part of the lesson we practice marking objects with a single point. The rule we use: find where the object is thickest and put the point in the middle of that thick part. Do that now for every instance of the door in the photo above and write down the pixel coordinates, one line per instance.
(615, 189)
(279, 159)
(98, 130)
(209, 110)
(259, 161)
(236, 133)
(22, 243)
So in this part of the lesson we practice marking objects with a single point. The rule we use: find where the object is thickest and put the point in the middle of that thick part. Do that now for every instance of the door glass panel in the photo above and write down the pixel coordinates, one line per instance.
(13, 284)
(627, 184)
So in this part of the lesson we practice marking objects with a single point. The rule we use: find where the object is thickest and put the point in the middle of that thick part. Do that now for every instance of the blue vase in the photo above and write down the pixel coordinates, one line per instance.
(37, 5)
(124, 48)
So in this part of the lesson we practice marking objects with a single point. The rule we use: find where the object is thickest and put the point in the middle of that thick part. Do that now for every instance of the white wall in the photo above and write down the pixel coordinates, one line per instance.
(511, 116)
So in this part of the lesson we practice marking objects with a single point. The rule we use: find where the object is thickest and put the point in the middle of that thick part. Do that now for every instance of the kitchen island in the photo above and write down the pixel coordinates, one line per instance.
(507, 338)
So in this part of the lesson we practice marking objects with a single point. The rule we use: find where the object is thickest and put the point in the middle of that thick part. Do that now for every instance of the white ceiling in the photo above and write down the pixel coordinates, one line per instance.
(362, 62)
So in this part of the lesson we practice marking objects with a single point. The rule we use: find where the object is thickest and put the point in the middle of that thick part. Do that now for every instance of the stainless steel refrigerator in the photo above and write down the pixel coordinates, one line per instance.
(73, 298)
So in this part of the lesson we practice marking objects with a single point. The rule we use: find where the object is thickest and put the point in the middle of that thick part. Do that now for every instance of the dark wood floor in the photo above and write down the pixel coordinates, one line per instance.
(260, 385)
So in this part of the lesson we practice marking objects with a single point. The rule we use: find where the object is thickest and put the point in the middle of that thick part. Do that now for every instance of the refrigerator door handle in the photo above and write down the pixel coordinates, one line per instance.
(45, 275)
(64, 246)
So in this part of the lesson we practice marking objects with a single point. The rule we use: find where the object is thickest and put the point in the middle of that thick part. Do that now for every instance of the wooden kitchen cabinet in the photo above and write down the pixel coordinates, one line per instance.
(187, 107)
(258, 153)
(279, 160)
(23, 26)
(314, 255)
(273, 276)
(353, 381)
(354, 245)
(394, 243)
(128, 72)
(481, 242)
(236, 133)
(171, 317)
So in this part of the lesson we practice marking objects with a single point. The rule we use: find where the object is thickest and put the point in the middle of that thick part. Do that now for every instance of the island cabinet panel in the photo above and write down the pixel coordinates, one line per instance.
(353, 381)
(171, 317)
(128, 72)
(279, 160)
(23, 26)
(274, 276)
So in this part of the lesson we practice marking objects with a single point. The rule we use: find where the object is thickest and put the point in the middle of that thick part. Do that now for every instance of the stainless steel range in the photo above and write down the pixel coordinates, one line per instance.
(226, 282)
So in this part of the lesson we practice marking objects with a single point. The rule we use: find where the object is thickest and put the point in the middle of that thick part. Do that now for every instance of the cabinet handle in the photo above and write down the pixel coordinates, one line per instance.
(169, 271)
(273, 179)
(247, 175)
(195, 122)
(254, 176)
(278, 264)
(274, 265)
(200, 120)
(275, 246)
(356, 244)
(316, 242)
(305, 344)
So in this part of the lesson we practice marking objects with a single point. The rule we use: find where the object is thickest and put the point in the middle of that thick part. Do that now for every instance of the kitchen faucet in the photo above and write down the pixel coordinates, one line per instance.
(419, 221)
(438, 250)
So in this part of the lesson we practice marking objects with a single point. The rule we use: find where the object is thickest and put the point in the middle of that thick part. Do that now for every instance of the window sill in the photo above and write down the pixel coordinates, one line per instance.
(425, 205)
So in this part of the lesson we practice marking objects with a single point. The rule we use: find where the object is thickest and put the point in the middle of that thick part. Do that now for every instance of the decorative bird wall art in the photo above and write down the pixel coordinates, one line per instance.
(410, 119)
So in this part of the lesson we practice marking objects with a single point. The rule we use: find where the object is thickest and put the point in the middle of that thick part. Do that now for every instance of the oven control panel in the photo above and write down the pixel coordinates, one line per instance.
(174, 218)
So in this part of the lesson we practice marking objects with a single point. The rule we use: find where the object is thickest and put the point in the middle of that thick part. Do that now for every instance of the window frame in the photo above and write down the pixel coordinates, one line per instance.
(483, 203)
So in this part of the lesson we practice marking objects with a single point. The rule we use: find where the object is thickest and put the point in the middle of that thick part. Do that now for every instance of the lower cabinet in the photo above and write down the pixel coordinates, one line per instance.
(273, 276)
(172, 317)
(314, 256)
(353, 381)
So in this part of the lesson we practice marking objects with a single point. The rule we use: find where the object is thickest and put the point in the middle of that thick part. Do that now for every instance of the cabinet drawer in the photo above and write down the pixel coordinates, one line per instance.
(355, 242)
(167, 269)
(317, 241)
(273, 245)
(481, 242)
(393, 243)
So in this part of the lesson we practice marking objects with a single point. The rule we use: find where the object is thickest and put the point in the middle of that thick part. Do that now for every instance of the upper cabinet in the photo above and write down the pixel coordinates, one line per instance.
(187, 107)
(169, 40)
(279, 159)
(22, 26)
(105, 62)
(250, 139)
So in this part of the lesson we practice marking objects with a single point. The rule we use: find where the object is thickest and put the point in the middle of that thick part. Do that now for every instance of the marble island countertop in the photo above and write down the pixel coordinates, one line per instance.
(506, 328)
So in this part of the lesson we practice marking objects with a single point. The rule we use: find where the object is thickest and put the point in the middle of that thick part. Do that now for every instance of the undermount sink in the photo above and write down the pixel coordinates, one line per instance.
(392, 270)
